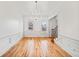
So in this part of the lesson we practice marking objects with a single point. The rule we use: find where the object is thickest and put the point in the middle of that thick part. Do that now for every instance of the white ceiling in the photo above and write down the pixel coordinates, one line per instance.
(44, 8)
(28, 8)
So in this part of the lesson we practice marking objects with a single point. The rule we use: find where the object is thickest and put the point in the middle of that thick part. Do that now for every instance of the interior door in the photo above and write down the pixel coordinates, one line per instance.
(53, 26)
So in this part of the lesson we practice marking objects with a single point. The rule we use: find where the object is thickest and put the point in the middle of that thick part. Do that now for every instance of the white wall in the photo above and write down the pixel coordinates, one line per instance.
(68, 19)
(10, 26)
(11, 17)
(68, 29)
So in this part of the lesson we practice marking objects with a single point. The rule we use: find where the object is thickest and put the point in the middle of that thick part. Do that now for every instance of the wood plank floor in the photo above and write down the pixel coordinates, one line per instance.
(36, 47)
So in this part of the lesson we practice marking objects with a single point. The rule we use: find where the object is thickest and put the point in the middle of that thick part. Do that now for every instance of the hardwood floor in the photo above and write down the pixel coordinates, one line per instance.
(36, 47)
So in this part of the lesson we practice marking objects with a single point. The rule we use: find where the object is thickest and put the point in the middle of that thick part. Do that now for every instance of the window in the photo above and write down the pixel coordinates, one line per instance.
(44, 26)
(30, 26)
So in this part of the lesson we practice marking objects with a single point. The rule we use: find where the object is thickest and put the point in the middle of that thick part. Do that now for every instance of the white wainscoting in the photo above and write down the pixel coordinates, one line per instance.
(68, 44)
(8, 41)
